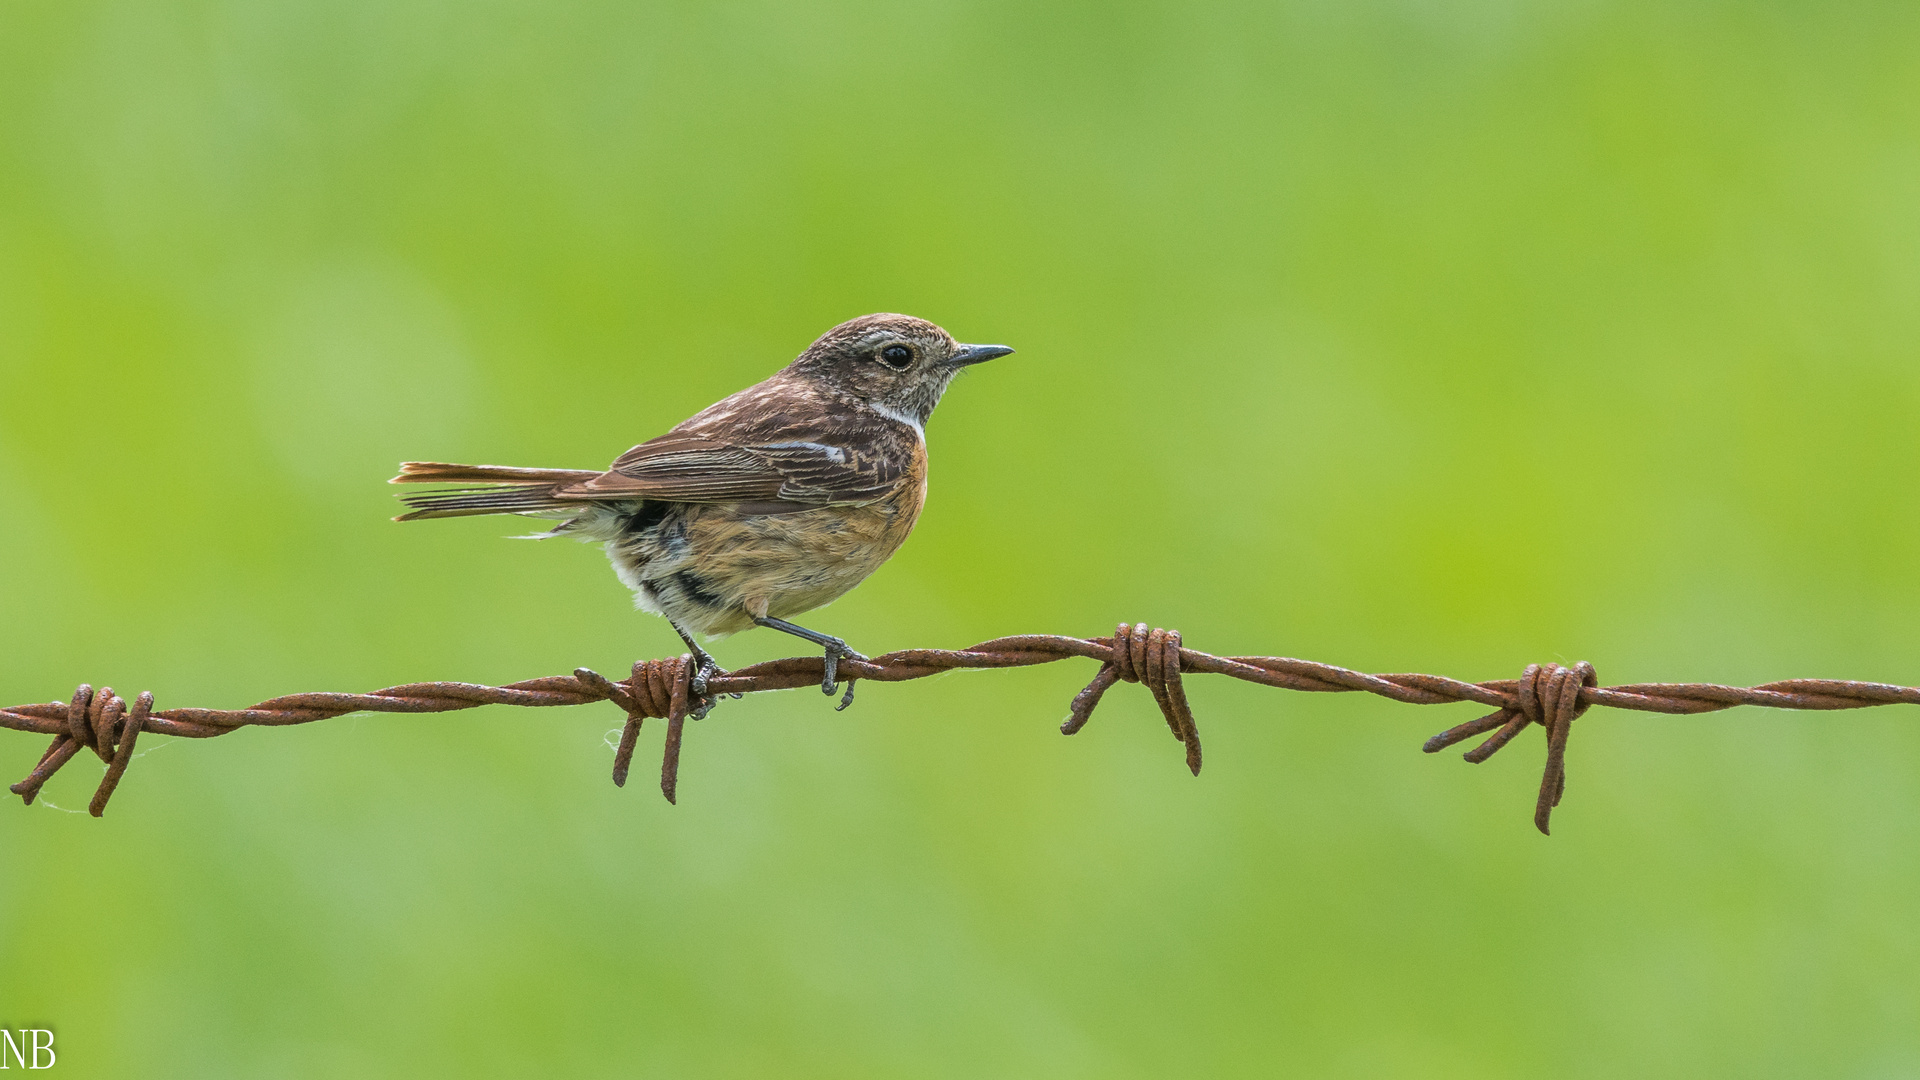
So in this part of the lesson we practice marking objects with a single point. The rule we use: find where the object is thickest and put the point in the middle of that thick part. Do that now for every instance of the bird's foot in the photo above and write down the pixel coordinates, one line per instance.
(836, 651)
(705, 669)
(702, 702)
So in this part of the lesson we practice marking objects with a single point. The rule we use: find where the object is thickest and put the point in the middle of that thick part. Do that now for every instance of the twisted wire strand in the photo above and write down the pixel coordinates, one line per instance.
(1549, 696)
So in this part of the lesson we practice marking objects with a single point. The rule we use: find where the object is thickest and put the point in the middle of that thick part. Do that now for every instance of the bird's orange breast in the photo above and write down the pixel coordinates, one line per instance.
(781, 565)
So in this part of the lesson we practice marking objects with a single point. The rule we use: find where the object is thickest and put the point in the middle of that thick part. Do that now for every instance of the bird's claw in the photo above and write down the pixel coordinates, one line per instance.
(837, 651)
(701, 701)
(707, 669)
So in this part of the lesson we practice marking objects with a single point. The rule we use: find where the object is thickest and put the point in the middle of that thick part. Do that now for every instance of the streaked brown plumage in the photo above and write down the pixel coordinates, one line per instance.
(767, 504)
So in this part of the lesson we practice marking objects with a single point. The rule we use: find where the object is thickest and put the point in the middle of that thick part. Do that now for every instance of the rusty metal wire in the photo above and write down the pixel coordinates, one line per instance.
(1546, 695)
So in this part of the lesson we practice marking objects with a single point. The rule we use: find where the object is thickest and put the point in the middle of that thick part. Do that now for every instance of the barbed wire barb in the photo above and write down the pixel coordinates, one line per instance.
(1550, 696)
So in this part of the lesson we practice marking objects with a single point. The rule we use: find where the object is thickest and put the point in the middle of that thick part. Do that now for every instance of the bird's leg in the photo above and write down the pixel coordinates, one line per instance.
(836, 650)
(704, 669)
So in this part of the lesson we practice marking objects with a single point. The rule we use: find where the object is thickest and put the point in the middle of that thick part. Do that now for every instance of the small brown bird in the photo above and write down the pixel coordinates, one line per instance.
(762, 506)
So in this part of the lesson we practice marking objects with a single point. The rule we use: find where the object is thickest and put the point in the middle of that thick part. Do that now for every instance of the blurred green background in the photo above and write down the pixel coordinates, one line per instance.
(1407, 335)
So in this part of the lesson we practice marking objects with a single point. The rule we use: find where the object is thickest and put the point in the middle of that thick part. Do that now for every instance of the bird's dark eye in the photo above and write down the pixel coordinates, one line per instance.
(896, 357)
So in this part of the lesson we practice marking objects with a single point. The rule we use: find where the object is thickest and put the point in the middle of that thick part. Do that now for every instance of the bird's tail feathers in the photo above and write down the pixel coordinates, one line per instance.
(437, 472)
(490, 489)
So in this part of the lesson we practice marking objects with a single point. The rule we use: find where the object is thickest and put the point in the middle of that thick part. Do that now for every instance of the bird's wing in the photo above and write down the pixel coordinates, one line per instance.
(803, 473)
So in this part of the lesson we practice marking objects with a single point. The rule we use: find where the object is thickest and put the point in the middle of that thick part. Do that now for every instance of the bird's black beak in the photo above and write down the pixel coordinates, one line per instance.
(977, 354)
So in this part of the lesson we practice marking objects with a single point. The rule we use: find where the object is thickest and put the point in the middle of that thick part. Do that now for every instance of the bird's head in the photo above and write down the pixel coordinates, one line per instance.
(898, 364)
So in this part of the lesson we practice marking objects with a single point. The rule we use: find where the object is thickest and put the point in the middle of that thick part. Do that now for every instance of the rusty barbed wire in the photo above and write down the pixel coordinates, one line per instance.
(1548, 696)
